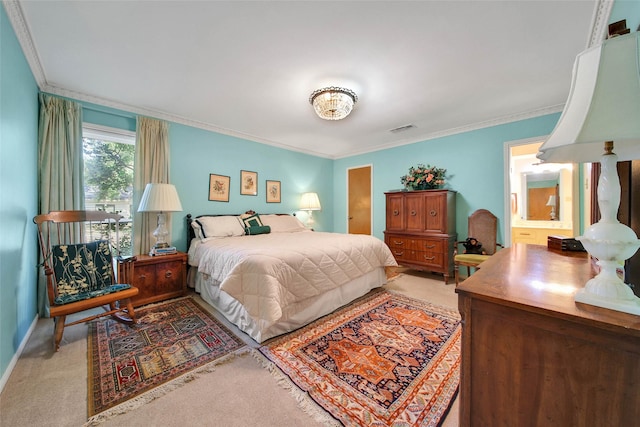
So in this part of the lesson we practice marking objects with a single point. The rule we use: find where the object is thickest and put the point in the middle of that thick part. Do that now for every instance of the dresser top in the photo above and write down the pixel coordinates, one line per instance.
(536, 279)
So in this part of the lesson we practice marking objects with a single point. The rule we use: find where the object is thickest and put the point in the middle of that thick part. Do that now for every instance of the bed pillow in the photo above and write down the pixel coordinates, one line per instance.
(197, 230)
(220, 226)
(252, 221)
(258, 229)
(283, 223)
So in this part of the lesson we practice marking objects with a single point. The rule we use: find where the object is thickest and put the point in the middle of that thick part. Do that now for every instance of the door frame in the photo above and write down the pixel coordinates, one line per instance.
(578, 182)
(506, 232)
(370, 166)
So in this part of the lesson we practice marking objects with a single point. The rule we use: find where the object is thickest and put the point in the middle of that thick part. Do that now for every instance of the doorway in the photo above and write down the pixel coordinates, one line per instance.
(541, 199)
(359, 200)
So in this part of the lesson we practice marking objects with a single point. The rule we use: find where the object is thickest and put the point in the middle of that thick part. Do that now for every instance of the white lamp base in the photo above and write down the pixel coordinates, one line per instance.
(608, 291)
(610, 242)
(310, 221)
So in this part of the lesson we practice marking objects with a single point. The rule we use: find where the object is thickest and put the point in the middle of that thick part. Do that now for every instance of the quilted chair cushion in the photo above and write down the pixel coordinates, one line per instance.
(83, 271)
(471, 258)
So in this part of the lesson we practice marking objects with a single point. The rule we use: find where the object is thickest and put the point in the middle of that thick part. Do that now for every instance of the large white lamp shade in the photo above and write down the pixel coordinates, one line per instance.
(602, 116)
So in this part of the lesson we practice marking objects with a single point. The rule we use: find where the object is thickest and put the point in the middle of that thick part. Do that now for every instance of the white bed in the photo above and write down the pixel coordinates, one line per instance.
(269, 284)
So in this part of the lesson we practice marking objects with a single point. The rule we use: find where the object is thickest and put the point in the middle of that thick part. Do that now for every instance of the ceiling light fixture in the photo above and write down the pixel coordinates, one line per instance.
(333, 103)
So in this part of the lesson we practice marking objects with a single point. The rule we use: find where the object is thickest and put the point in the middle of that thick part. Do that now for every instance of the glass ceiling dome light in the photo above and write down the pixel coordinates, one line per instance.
(333, 103)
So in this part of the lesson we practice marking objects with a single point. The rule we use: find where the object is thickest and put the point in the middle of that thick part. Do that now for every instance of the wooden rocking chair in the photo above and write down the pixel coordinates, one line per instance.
(78, 263)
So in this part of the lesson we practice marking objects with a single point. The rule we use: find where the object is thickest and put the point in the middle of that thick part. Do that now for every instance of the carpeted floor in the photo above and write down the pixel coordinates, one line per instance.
(47, 388)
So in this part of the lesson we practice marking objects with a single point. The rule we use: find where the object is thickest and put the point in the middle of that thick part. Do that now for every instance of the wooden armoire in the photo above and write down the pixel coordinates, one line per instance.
(421, 229)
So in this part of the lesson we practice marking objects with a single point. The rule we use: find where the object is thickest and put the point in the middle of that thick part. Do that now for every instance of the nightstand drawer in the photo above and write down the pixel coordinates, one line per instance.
(159, 277)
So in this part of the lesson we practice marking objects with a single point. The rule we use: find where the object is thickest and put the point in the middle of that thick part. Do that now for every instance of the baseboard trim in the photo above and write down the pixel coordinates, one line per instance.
(16, 356)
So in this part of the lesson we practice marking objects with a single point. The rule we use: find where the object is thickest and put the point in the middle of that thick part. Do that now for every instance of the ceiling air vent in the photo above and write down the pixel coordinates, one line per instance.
(402, 128)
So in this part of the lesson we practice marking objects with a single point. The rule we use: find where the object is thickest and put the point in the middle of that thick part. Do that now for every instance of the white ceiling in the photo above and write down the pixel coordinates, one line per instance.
(247, 68)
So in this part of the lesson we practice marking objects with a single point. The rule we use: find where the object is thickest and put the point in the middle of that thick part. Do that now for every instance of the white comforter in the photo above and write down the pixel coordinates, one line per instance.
(268, 272)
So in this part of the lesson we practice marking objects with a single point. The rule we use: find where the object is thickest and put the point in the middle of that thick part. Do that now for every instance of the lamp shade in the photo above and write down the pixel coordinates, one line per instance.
(160, 198)
(551, 201)
(603, 105)
(310, 202)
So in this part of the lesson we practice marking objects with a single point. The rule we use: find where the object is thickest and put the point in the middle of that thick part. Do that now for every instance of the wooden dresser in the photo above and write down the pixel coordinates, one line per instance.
(421, 229)
(531, 356)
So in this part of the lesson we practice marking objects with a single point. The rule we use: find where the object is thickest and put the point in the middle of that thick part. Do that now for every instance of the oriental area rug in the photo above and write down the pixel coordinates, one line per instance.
(171, 342)
(386, 360)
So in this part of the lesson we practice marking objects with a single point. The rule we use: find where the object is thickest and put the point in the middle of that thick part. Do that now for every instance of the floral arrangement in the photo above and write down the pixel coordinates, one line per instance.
(423, 177)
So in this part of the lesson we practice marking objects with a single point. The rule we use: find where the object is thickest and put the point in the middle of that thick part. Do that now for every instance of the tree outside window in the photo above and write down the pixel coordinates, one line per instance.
(108, 178)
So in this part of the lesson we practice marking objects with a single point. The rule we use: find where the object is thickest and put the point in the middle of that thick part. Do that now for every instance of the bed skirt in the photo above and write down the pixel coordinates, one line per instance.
(295, 316)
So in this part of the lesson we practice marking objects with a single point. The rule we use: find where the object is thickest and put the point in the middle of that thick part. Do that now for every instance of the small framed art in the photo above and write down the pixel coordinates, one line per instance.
(249, 183)
(219, 188)
(273, 191)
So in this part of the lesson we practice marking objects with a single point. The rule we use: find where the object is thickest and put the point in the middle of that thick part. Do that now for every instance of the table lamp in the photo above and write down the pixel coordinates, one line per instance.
(160, 198)
(552, 203)
(601, 122)
(310, 202)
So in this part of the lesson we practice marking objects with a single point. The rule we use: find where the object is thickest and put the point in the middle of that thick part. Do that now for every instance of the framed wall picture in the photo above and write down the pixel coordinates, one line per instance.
(273, 191)
(219, 188)
(249, 183)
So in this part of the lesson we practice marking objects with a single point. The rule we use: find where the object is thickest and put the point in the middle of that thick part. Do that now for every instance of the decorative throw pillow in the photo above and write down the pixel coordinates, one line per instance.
(252, 221)
(258, 229)
(82, 267)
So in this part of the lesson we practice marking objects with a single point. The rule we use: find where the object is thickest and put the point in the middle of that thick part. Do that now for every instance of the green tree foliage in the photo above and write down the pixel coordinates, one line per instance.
(108, 167)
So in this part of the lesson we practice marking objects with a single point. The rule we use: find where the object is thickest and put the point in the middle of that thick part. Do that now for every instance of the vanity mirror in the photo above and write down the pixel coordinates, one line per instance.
(541, 196)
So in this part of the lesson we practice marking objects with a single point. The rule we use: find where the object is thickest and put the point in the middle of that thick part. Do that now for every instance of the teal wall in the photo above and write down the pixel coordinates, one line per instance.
(474, 161)
(18, 194)
(196, 153)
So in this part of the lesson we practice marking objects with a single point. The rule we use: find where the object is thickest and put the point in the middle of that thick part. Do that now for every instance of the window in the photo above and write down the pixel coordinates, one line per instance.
(108, 175)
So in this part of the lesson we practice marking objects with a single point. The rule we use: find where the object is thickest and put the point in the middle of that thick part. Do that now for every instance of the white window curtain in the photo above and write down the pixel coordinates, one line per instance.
(60, 165)
(151, 166)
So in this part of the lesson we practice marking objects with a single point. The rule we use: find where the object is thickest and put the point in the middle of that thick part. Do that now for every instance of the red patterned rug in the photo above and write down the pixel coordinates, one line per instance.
(386, 360)
(170, 340)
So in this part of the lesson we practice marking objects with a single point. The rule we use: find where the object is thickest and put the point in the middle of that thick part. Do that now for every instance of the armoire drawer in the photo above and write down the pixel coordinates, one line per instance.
(428, 259)
(428, 245)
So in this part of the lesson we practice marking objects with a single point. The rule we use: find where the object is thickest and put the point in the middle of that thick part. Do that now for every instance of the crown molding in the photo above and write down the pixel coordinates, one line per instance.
(80, 96)
(16, 17)
(462, 129)
(600, 22)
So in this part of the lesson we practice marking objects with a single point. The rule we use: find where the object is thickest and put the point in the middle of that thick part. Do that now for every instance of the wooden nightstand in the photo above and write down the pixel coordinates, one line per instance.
(158, 277)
